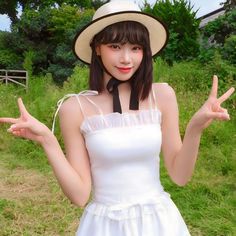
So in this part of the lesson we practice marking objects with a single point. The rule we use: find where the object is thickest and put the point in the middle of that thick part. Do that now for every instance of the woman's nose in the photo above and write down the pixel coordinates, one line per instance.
(125, 56)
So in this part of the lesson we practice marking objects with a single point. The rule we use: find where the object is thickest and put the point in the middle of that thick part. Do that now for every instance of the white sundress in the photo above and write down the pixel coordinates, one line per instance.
(127, 196)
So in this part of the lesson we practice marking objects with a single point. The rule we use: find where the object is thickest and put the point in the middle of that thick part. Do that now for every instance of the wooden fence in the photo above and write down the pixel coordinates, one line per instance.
(19, 77)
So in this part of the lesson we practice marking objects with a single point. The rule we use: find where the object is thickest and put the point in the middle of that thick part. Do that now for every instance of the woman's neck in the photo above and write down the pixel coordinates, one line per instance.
(123, 87)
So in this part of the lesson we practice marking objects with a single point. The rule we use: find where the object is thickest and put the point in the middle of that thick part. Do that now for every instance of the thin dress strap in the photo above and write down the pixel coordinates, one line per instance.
(152, 102)
(154, 98)
(83, 93)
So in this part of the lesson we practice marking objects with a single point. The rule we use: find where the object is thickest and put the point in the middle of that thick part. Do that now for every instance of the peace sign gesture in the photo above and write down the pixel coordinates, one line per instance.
(211, 109)
(26, 126)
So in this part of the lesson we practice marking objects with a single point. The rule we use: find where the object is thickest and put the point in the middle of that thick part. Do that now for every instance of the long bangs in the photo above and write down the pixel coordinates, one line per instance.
(124, 32)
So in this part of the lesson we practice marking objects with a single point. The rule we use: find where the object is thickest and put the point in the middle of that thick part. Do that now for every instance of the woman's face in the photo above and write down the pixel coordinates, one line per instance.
(121, 60)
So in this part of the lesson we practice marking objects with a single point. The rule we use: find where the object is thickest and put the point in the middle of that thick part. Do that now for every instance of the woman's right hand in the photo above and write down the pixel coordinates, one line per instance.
(26, 126)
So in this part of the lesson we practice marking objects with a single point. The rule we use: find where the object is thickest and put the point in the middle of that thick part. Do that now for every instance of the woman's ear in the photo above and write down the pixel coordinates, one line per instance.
(98, 51)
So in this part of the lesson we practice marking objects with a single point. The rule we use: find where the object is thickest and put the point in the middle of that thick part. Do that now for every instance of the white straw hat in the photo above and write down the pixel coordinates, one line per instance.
(118, 11)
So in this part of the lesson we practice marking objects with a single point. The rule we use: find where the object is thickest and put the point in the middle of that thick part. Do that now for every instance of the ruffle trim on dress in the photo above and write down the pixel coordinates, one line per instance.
(118, 120)
(110, 120)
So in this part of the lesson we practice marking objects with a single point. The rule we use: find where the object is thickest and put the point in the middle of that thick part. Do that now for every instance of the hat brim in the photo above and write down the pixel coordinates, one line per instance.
(158, 32)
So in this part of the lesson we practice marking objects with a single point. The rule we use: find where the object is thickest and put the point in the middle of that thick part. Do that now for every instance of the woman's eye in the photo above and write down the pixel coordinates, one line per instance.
(114, 46)
(137, 48)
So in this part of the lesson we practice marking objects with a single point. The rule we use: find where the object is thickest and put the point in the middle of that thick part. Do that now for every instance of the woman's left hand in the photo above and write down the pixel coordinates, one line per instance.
(26, 126)
(211, 109)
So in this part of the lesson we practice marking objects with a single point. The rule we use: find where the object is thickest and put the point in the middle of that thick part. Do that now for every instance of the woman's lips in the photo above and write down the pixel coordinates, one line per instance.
(124, 69)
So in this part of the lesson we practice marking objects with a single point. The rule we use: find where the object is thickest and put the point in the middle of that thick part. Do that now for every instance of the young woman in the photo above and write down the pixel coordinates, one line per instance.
(113, 134)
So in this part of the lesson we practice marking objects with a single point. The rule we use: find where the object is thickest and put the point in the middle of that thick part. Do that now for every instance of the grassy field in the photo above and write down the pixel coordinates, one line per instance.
(31, 202)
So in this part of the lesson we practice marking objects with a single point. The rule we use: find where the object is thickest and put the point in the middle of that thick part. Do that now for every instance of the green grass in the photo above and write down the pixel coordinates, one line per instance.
(31, 202)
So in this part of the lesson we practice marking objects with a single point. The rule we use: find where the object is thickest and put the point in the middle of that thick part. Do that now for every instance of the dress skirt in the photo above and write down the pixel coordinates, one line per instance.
(159, 217)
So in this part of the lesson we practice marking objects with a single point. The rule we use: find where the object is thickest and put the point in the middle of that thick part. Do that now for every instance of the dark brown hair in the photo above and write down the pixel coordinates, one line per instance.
(123, 32)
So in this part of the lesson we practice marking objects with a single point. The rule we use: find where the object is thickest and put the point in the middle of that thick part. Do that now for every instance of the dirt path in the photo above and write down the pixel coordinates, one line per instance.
(22, 183)
(32, 204)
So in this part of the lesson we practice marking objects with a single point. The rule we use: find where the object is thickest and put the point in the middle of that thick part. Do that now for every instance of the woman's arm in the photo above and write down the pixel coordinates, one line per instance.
(70, 174)
(71, 118)
(180, 157)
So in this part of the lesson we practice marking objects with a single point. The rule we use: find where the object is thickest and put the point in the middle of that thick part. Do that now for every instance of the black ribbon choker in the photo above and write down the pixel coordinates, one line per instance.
(112, 87)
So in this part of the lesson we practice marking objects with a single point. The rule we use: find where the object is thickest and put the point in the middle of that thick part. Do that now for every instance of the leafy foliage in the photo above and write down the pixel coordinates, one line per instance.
(11, 7)
(183, 27)
(229, 5)
(229, 50)
(219, 36)
(207, 51)
(28, 62)
(45, 28)
(221, 28)
(8, 57)
(66, 22)
(193, 75)
(225, 71)
(48, 33)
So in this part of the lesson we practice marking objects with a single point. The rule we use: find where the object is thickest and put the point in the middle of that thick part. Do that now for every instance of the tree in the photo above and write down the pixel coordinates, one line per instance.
(66, 22)
(46, 33)
(229, 5)
(183, 27)
(228, 51)
(219, 35)
(8, 57)
(221, 28)
(11, 7)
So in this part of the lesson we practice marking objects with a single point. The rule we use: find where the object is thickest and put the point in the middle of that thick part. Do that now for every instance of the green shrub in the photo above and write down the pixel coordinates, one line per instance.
(221, 28)
(66, 22)
(185, 75)
(78, 81)
(192, 76)
(229, 50)
(28, 62)
(225, 72)
(183, 26)
(206, 52)
(60, 73)
(9, 60)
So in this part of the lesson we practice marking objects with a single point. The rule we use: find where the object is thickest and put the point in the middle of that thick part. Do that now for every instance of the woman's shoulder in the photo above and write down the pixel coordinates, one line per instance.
(80, 105)
(70, 109)
(70, 102)
(163, 89)
(164, 94)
